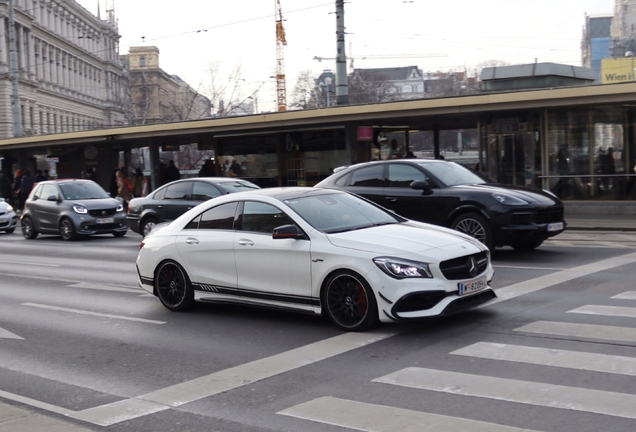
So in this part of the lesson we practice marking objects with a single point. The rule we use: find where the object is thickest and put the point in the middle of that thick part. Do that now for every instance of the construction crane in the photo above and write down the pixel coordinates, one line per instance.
(281, 90)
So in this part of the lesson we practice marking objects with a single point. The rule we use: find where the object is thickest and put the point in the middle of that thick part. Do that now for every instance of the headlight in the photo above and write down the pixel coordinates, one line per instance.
(80, 209)
(508, 200)
(120, 208)
(402, 269)
(9, 208)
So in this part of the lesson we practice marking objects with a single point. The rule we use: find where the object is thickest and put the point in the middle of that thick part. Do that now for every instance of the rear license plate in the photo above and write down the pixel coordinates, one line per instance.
(105, 220)
(470, 287)
(555, 226)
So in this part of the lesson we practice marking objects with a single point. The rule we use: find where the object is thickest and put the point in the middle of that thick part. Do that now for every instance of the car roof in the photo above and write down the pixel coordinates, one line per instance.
(286, 193)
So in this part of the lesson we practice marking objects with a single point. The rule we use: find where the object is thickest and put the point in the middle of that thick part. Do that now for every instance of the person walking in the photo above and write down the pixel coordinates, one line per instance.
(39, 176)
(26, 185)
(138, 183)
(172, 172)
(124, 187)
(15, 190)
(5, 186)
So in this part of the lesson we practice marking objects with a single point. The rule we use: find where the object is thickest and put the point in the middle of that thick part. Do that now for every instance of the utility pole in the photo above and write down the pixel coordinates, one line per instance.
(13, 74)
(342, 91)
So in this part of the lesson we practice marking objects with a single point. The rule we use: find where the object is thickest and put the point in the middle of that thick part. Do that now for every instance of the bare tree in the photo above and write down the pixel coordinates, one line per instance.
(370, 87)
(306, 91)
(226, 95)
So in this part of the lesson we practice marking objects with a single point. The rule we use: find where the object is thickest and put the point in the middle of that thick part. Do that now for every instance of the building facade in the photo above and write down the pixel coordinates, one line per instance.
(158, 97)
(596, 44)
(70, 77)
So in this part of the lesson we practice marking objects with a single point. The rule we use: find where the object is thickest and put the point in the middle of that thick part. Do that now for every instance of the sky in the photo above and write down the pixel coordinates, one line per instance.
(449, 35)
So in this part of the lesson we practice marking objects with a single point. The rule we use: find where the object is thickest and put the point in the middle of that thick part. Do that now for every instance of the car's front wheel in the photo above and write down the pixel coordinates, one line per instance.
(67, 230)
(475, 225)
(173, 287)
(147, 225)
(27, 228)
(349, 302)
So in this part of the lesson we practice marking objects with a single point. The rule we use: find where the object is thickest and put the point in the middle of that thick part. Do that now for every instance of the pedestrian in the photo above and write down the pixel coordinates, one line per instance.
(5, 186)
(15, 190)
(113, 184)
(162, 173)
(124, 187)
(235, 169)
(45, 173)
(39, 176)
(137, 183)
(26, 185)
(172, 172)
(91, 175)
(206, 170)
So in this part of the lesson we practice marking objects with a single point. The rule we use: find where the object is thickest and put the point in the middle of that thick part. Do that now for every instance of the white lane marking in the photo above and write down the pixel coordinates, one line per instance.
(536, 284)
(86, 285)
(379, 418)
(6, 334)
(629, 295)
(30, 263)
(82, 312)
(35, 403)
(551, 357)
(588, 331)
(526, 392)
(613, 311)
(227, 379)
(529, 268)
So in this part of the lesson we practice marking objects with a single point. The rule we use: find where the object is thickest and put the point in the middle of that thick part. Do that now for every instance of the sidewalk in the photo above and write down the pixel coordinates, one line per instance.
(14, 419)
(601, 222)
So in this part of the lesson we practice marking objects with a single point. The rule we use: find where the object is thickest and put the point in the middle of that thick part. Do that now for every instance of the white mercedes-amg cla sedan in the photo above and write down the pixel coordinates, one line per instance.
(317, 251)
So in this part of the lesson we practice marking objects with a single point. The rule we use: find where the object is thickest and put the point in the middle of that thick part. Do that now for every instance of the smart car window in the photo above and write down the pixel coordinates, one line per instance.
(178, 191)
(369, 176)
(218, 218)
(47, 191)
(204, 191)
(263, 218)
(402, 175)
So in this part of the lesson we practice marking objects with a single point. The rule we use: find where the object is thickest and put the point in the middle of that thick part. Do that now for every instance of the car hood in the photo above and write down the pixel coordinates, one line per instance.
(405, 237)
(531, 196)
(95, 204)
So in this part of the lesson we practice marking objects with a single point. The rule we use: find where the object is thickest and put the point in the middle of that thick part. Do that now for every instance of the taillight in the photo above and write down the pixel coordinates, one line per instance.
(142, 244)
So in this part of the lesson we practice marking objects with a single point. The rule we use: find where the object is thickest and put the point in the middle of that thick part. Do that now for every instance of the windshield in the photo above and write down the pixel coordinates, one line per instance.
(332, 213)
(82, 190)
(452, 174)
(237, 186)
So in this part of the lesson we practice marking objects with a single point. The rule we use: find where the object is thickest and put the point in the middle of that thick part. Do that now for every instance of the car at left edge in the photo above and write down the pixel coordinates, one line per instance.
(317, 251)
(8, 218)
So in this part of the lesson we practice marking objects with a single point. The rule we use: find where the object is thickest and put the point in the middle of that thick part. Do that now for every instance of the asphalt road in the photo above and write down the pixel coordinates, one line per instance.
(80, 343)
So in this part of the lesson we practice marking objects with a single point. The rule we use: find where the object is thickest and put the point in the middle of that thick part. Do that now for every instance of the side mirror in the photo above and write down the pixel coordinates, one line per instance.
(286, 232)
(423, 186)
(52, 198)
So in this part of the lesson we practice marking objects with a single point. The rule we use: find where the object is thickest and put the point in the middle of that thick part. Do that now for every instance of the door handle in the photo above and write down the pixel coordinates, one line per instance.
(391, 199)
(245, 242)
(192, 240)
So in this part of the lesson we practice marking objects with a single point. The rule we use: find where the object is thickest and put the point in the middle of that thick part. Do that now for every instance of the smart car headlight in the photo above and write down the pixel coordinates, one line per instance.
(401, 269)
(80, 209)
(508, 200)
(120, 208)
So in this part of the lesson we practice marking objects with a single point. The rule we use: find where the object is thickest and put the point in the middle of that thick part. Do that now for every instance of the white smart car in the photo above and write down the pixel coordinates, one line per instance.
(317, 251)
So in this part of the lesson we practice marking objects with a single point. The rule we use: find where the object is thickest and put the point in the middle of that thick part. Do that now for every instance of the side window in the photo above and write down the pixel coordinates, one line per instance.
(202, 191)
(369, 176)
(217, 218)
(263, 218)
(47, 191)
(159, 194)
(178, 191)
(402, 175)
(344, 180)
(37, 192)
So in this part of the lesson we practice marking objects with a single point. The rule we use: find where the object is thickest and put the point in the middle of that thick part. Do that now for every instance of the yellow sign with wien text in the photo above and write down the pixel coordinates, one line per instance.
(618, 70)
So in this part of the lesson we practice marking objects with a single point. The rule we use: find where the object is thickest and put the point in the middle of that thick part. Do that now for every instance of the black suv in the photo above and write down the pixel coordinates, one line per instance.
(174, 199)
(448, 194)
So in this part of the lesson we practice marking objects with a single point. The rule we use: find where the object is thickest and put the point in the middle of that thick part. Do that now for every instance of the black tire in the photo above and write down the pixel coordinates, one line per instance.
(349, 302)
(28, 232)
(529, 245)
(147, 225)
(119, 233)
(67, 230)
(10, 230)
(476, 226)
(173, 287)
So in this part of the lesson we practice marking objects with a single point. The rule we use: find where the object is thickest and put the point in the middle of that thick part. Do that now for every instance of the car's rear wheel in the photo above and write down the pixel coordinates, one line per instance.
(529, 245)
(67, 230)
(475, 225)
(173, 287)
(147, 225)
(28, 232)
(349, 302)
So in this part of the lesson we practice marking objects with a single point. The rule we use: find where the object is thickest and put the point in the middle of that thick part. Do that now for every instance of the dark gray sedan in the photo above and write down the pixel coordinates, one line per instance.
(72, 208)
(172, 200)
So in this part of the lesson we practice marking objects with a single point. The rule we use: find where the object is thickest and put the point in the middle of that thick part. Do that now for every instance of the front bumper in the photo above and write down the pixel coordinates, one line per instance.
(8, 221)
(89, 226)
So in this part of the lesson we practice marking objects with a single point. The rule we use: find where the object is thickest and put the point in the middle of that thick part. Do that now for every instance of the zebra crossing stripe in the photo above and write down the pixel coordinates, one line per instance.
(526, 392)
(629, 295)
(551, 357)
(379, 418)
(614, 311)
(589, 331)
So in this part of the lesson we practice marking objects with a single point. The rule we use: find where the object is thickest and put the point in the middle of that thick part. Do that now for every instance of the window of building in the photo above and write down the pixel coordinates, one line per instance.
(142, 61)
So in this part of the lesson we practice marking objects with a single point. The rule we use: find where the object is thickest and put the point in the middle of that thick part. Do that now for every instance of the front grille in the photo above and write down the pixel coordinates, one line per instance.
(102, 212)
(465, 267)
(101, 227)
(541, 216)
(419, 301)
(469, 302)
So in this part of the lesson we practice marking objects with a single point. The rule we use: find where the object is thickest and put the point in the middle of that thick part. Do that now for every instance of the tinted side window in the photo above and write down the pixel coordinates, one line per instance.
(47, 191)
(218, 218)
(263, 218)
(402, 175)
(178, 191)
(368, 176)
(343, 181)
(159, 194)
(204, 191)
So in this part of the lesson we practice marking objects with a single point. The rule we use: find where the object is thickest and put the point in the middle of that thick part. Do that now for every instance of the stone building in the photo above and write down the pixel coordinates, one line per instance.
(70, 77)
(158, 97)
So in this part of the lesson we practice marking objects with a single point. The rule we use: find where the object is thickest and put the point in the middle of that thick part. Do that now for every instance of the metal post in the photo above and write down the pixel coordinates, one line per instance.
(13, 74)
(342, 93)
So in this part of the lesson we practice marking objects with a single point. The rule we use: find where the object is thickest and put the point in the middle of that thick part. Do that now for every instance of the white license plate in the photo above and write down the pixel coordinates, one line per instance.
(555, 226)
(105, 220)
(470, 287)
